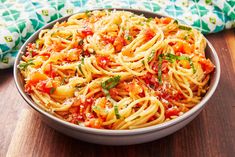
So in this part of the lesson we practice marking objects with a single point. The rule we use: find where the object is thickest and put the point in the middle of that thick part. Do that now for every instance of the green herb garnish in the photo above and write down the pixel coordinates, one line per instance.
(192, 65)
(160, 57)
(129, 38)
(149, 19)
(110, 83)
(24, 65)
(80, 69)
(175, 21)
(88, 13)
(106, 86)
(116, 112)
(69, 37)
(52, 90)
(82, 60)
(172, 58)
(151, 55)
(185, 28)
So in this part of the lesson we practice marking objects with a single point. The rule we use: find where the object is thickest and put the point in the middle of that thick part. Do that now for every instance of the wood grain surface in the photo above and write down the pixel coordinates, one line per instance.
(211, 134)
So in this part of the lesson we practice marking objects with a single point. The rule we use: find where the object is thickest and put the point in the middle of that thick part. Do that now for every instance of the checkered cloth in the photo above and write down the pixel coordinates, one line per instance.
(19, 19)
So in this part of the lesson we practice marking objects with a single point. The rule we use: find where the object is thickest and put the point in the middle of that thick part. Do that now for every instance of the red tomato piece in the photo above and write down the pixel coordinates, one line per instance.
(43, 88)
(49, 71)
(207, 66)
(166, 20)
(151, 80)
(89, 102)
(172, 112)
(179, 48)
(149, 34)
(108, 40)
(113, 92)
(76, 118)
(119, 43)
(102, 61)
(86, 32)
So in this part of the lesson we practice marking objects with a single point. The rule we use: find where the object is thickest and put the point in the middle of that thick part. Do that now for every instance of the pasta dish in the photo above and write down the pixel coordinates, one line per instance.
(117, 70)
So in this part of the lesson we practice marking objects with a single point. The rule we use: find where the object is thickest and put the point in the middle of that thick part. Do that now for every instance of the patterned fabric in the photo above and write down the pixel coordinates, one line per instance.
(19, 19)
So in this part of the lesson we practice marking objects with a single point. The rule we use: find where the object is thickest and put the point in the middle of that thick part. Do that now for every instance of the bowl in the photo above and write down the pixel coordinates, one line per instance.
(118, 137)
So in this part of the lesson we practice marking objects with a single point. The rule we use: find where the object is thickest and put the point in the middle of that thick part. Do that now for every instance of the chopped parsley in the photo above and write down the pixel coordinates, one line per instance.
(116, 112)
(88, 13)
(52, 90)
(151, 55)
(106, 86)
(172, 58)
(24, 65)
(110, 83)
(149, 19)
(160, 57)
(185, 28)
(82, 60)
(129, 38)
(80, 69)
(69, 37)
(175, 21)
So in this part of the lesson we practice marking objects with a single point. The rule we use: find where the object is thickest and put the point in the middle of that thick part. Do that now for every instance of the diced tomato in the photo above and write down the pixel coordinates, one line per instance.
(102, 61)
(75, 118)
(31, 47)
(86, 32)
(113, 92)
(185, 64)
(57, 46)
(30, 53)
(151, 80)
(166, 20)
(135, 88)
(177, 96)
(149, 34)
(119, 43)
(108, 40)
(89, 102)
(207, 66)
(42, 86)
(134, 31)
(179, 48)
(33, 80)
(27, 88)
(142, 94)
(172, 112)
(47, 54)
(50, 71)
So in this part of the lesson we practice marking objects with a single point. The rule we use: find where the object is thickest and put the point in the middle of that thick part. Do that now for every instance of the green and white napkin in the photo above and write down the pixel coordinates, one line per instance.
(19, 19)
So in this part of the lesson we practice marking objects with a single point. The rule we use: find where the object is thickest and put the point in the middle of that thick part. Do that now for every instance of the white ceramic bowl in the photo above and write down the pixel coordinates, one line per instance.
(118, 137)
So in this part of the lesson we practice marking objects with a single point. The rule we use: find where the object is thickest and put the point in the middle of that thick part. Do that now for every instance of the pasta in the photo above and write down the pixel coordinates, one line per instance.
(117, 70)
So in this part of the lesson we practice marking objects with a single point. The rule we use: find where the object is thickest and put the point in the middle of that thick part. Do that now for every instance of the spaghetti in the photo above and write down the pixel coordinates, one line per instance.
(117, 70)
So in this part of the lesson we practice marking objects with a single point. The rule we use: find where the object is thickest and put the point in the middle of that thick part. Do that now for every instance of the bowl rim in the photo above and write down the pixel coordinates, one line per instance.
(107, 132)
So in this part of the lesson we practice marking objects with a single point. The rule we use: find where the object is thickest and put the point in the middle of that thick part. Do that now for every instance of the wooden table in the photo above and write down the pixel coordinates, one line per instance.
(212, 133)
